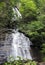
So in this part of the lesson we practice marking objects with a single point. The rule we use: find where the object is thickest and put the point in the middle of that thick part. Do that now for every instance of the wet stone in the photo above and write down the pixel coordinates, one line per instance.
(4, 48)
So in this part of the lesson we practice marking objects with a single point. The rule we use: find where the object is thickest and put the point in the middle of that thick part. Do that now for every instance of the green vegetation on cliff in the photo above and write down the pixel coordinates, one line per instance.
(32, 23)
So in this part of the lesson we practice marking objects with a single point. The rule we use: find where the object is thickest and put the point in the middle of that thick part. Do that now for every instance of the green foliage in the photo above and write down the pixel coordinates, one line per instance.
(36, 25)
(35, 22)
(14, 2)
(43, 52)
(28, 10)
(33, 19)
(20, 62)
(35, 32)
(14, 62)
(31, 63)
(5, 13)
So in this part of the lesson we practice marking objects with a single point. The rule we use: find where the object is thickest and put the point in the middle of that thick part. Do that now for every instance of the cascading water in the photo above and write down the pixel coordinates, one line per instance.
(17, 14)
(20, 45)
(15, 44)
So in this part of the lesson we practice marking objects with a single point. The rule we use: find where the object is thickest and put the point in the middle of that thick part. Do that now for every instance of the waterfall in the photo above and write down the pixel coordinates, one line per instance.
(17, 14)
(20, 45)
(15, 43)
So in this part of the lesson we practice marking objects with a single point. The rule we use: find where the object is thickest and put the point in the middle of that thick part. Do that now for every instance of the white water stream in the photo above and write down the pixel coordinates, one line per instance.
(20, 46)
(15, 44)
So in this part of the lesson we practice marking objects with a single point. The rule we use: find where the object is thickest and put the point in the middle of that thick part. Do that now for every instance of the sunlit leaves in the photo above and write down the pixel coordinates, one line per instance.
(28, 4)
(28, 9)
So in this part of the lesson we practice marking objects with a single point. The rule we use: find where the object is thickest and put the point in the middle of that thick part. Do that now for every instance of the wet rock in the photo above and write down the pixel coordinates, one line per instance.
(42, 63)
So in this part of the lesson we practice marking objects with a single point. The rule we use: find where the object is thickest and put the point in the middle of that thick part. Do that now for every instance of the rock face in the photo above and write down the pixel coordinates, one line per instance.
(42, 63)
(2, 52)
(4, 48)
